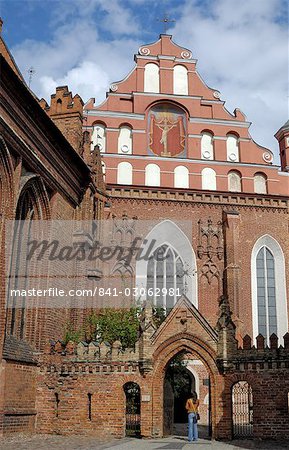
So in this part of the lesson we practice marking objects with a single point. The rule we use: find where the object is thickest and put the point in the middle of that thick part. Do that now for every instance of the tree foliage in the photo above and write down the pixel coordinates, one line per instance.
(108, 325)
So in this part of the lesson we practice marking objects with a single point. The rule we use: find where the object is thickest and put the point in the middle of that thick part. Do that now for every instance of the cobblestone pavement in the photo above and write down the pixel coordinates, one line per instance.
(49, 442)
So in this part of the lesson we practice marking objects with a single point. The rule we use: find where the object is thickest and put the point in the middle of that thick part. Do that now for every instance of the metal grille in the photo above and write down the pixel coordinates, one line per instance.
(242, 410)
(132, 416)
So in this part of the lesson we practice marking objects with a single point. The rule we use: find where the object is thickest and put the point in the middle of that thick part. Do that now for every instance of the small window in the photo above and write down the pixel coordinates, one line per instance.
(57, 401)
(89, 397)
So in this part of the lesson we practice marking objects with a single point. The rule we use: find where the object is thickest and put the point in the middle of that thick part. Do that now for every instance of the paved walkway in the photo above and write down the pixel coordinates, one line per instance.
(89, 443)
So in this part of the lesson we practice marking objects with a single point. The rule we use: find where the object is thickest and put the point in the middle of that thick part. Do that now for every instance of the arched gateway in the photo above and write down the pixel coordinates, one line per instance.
(177, 345)
(184, 333)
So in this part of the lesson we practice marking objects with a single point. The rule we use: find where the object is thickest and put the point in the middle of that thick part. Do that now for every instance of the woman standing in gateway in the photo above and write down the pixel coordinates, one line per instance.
(192, 406)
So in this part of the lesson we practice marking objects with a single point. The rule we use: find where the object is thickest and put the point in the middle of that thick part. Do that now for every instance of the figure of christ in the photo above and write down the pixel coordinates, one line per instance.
(166, 127)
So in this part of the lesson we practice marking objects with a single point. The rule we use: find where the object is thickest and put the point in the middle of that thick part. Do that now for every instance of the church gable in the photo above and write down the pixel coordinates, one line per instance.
(187, 320)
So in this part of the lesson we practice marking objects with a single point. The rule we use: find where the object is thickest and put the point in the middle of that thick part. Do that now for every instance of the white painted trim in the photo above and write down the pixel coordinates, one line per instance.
(280, 283)
(232, 123)
(120, 115)
(195, 161)
(170, 96)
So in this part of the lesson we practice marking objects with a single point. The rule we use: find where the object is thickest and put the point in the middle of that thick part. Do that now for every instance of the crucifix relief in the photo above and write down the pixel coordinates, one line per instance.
(167, 131)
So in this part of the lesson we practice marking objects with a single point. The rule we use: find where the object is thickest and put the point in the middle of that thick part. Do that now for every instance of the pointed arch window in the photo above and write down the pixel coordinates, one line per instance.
(269, 305)
(266, 293)
(165, 277)
(167, 238)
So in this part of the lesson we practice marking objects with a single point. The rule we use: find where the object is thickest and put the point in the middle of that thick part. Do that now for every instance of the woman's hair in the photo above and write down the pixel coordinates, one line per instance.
(194, 396)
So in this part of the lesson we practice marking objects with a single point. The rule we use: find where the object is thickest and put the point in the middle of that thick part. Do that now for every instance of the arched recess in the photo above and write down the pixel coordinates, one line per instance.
(207, 145)
(152, 175)
(151, 78)
(167, 350)
(209, 179)
(6, 182)
(233, 147)
(279, 285)
(181, 80)
(124, 145)
(124, 173)
(167, 233)
(132, 392)
(32, 205)
(234, 181)
(260, 183)
(98, 136)
(242, 410)
(167, 123)
(181, 177)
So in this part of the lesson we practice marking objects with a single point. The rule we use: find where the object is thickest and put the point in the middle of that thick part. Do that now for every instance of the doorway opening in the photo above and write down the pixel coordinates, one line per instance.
(185, 374)
(132, 409)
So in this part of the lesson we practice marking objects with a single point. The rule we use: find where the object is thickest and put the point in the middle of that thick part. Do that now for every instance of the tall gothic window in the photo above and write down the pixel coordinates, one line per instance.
(170, 262)
(268, 287)
(165, 277)
(266, 293)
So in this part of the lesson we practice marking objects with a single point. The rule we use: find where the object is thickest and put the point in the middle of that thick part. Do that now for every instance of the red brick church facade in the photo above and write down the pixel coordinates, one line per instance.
(171, 154)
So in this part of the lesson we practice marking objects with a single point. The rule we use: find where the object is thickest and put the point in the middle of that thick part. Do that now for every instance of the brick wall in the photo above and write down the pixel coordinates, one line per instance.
(19, 397)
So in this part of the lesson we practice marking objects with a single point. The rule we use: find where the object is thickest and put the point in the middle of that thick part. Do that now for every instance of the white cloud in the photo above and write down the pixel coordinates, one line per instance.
(243, 52)
(241, 46)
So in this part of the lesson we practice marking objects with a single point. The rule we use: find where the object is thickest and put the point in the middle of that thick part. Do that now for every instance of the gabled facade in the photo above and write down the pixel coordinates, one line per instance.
(162, 126)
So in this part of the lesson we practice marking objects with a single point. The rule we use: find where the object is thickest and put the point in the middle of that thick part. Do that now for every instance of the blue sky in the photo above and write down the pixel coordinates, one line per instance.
(242, 47)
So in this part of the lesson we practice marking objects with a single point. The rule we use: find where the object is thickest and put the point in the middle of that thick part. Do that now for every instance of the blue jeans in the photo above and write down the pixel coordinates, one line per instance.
(193, 427)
